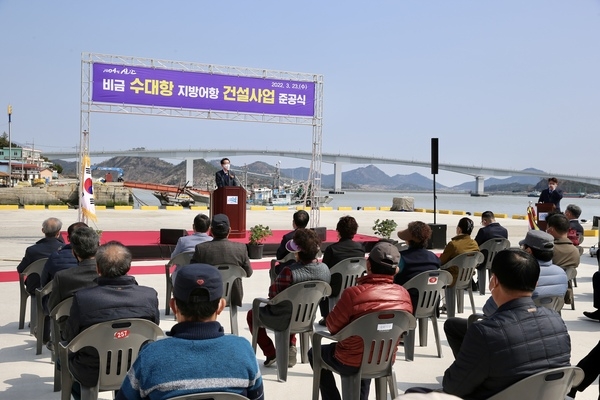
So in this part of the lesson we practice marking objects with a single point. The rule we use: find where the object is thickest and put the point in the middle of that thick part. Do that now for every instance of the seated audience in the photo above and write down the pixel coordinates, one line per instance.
(116, 296)
(595, 315)
(221, 250)
(339, 251)
(576, 231)
(566, 254)
(461, 243)
(552, 281)
(374, 292)
(199, 356)
(490, 230)
(84, 242)
(300, 221)
(188, 243)
(62, 258)
(498, 351)
(416, 259)
(306, 268)
(590, 365)
(41, 249)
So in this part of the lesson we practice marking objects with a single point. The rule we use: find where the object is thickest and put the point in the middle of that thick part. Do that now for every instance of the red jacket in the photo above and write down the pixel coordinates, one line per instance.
(373, 293)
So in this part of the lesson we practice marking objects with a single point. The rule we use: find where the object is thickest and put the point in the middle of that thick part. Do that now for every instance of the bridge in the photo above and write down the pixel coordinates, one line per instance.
(338, 160)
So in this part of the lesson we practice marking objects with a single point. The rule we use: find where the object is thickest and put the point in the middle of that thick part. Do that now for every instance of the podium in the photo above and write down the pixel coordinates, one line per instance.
(231, 201)
(543, 209)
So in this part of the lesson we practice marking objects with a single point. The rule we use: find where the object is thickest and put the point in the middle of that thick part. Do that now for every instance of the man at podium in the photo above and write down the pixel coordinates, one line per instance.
(225, 177)
(553, 194)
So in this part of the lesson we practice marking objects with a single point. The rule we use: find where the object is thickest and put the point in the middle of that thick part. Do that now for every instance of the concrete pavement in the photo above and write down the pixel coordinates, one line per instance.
(24, 375)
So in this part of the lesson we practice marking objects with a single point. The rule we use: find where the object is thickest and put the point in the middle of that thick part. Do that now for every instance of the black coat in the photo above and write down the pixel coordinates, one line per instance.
(41, 249)
(223, 179)
(554, 197)
(111, 299)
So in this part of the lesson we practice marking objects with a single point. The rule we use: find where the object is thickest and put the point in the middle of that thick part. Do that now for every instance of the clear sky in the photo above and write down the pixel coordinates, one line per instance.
(508, 83)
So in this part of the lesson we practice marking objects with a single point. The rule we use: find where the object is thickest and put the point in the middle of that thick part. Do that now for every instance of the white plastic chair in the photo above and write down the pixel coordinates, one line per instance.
(381, 333)
(35, 267)
(489, 249)
(430, 285)
(552, 384)
(229, 274)
(466, 263)
(304, 299)
(179, 260)
(350, 270)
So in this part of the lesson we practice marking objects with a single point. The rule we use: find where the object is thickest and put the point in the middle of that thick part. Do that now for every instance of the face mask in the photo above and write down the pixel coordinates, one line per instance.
(226, 167)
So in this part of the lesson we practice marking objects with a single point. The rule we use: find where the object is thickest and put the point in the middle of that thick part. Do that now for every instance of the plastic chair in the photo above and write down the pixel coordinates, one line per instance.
(350, 270)
(466, 263)
(304, 298)
(430, 285)
(35, 267)
(210, 396)
(179, 260)
(572, 282)
(274, 261)
(118, 343)
(489, 249)
(62, 309)
(40, 316)
(380, 332)
(552, 384)
(229, 274)
(555, 303)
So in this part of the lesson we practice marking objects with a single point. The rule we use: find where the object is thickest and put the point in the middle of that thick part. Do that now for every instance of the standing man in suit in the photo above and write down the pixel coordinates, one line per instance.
(553, 194)
(41, 249)
(225, 177)
(223, 251)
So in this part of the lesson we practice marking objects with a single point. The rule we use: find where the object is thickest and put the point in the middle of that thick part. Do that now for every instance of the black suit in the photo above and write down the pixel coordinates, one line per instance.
(492, 231)
(554, 197)
(281, 250)
(41, 249)
(225, 179)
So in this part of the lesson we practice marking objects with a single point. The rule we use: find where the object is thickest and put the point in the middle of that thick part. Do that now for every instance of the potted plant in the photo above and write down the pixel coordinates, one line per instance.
(384, 228)
(258, 233)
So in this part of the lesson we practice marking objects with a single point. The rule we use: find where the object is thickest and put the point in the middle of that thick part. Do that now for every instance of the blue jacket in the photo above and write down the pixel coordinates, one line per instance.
(517, 341)
(198, 358)
(552, 282)
(61, 259)
(188, 243)
(413, 261)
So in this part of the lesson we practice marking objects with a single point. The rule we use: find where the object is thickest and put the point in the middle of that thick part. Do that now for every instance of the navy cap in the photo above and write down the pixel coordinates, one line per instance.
(198, 276)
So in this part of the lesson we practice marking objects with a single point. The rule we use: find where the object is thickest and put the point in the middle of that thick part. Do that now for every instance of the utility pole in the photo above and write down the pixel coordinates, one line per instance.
(9, 147)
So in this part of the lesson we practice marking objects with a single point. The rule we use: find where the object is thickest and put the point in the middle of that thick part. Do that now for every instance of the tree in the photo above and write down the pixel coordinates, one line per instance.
(4, 140)
(58, 168)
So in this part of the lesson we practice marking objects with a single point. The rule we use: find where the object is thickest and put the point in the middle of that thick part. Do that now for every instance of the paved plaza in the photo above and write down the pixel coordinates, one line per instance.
(23, 375)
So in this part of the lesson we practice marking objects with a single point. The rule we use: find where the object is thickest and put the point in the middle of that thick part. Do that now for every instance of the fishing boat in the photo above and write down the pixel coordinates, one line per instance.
(171, 195)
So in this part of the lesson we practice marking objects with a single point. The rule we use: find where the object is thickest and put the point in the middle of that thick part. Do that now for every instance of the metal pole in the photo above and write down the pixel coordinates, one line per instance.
(9, 147)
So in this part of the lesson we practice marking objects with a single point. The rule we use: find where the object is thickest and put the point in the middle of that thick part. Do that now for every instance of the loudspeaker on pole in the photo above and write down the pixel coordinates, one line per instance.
(434, 155)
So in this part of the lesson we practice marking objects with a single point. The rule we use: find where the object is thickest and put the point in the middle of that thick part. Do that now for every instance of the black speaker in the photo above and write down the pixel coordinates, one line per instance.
(438, 236)
(170, 236)
(434, 156)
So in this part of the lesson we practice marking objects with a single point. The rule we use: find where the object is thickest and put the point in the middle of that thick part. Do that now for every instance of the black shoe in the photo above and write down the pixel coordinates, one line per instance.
(269, 361)
(50, 346)
(322, 322)
(593, 315)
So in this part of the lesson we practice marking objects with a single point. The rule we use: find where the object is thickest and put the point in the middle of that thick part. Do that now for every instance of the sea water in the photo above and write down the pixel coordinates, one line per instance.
(499, 204)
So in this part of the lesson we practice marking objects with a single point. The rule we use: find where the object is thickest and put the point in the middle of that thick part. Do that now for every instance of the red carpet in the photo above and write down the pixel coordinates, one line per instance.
(145, 245)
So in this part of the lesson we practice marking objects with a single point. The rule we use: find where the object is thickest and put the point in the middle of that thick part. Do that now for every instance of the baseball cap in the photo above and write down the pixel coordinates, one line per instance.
(198, 276)
(539, 240)
(385, 253)
(292, 247)
(220, 223)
